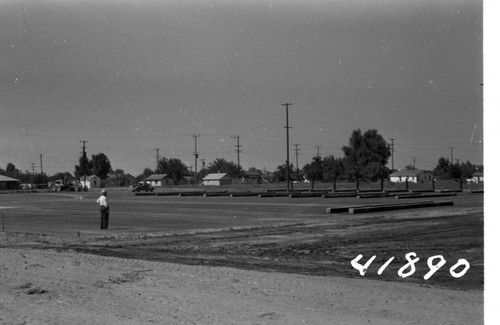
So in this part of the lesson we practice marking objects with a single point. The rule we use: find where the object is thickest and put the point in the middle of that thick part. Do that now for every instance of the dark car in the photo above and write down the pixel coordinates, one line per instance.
(142, 187)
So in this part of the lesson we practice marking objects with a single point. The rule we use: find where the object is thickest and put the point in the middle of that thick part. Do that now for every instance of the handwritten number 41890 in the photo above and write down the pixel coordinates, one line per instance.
(434, 263)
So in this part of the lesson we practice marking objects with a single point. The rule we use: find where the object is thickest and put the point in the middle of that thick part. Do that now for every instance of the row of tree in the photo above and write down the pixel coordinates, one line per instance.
(365, 159)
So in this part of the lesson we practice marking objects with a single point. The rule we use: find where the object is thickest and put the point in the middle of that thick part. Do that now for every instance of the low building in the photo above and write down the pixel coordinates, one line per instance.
(92, 181)
(8, 183)
(217, 179)
(477, 177)
(120, 180)
(159, 180)
(411, 175)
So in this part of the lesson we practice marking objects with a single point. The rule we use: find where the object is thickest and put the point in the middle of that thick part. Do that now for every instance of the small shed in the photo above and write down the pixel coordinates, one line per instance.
(411, 175)
(8, 183)
(217, 179)
(92, 181)
(159, 180)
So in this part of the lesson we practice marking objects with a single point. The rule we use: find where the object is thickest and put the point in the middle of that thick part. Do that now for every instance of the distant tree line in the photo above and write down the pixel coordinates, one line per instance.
(365, 160)
(446, 170)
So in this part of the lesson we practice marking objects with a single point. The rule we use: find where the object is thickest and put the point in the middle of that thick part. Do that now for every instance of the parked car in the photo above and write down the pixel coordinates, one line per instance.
(142, 187)
(61, 185)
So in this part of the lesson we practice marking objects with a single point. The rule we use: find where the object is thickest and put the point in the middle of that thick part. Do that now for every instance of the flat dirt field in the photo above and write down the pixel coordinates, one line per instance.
(237, 260)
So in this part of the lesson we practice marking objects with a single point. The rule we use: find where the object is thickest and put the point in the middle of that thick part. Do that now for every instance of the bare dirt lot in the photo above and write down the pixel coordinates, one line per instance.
(291, 240)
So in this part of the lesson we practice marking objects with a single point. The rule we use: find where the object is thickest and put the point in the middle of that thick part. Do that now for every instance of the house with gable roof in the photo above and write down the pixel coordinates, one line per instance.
(159, 180)
(217, 179)
(8, 183)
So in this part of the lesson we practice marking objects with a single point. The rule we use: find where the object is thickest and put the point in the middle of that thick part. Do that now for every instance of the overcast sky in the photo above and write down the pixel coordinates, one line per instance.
(132, 76)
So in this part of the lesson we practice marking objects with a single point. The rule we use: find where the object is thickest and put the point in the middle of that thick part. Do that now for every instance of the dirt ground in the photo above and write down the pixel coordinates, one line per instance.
(293, 273)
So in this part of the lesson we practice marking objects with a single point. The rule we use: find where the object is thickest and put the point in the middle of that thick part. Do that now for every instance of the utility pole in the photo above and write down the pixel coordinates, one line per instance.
(287, 148)
(33, 168)
(41, 165)
(196, 136)
(297, 158)
(392, 153)
(317, 151)
(414, 162)
(451, 160)
(83, 149)
(85, 169)
(238, 150)
(157, 160)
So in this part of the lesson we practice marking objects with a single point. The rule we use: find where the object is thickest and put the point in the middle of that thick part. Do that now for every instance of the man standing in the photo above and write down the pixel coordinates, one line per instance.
(104, 208)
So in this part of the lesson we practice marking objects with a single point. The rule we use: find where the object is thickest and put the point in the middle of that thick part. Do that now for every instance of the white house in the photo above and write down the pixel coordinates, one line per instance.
(217, 179)
(92, 181)
(477, 177)
(159, 180)
(414, 176)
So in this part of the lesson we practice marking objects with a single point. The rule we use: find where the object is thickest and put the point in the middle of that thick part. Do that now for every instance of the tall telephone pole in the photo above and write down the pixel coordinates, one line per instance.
(451, 160)
(83, 148)
(85, 169)
(297, 158)
(157, 160)
(238, 150)
(41, 165)
(392, 153)
(196, 136)
(287, 148)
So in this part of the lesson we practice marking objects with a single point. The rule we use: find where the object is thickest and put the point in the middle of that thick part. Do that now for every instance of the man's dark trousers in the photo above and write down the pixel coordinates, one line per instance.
(104, 217)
